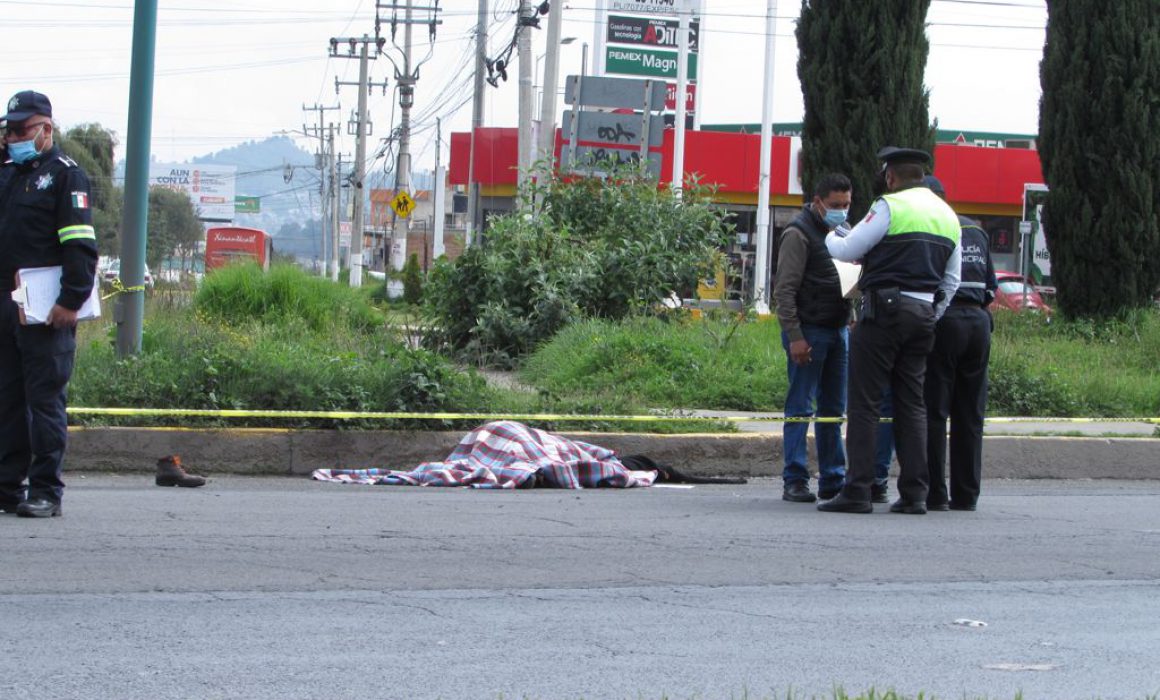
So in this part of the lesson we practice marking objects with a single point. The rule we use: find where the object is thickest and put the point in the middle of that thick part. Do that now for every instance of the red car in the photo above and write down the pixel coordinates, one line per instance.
(1017, 293)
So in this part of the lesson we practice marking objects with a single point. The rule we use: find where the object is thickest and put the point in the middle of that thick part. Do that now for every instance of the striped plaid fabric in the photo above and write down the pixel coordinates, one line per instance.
(509, 455)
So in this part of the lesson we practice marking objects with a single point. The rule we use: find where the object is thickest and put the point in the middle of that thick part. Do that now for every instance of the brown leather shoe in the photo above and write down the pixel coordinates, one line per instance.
(170, 473)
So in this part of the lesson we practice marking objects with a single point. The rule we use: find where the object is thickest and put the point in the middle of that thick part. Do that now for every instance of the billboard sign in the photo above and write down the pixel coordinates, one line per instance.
(670, 8)
(624, 60)
(649, 31)
(209, 187)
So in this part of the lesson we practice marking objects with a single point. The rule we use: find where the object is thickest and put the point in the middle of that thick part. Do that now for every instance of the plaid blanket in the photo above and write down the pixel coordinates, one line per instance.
(509, 455)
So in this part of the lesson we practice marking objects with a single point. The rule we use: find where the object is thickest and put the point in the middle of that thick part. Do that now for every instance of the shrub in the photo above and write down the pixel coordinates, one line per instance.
(412, 281)
(604, 248)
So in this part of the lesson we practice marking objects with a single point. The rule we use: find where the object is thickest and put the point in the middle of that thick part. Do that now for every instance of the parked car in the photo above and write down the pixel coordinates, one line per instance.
(1017, 293)
(113, 271)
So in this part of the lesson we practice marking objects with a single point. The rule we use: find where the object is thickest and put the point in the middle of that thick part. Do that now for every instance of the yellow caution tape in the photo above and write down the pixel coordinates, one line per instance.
(410, 415)
(120, 288)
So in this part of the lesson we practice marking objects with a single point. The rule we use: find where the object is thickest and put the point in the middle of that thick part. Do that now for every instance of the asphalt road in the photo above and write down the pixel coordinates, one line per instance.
(287, 588)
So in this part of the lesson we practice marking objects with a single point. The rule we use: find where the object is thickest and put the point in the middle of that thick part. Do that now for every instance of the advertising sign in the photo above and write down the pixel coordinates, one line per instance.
(654, 7)
(624, 60)
(247, 205)
(649, 31)
(690, 97)
(1039, 258)
(209, 187)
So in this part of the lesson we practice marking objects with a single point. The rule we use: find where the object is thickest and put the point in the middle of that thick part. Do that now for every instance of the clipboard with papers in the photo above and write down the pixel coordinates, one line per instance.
(37, 289)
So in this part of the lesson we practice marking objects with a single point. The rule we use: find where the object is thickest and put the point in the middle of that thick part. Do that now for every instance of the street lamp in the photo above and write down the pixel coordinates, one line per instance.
(537, 83)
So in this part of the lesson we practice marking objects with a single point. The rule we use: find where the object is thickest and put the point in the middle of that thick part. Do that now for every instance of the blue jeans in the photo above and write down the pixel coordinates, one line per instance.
(822, 382)
(884, 454)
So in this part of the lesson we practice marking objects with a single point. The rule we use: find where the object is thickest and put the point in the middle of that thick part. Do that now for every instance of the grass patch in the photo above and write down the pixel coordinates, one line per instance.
(1062, 369)
(297, 343)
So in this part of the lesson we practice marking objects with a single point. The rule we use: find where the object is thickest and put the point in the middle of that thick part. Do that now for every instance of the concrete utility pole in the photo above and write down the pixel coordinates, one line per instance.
(402, 224)
(335, 203)
(682, 86)
(406, 75)
(323, 164)
(476, 121)
(361, 127)
(437, 247)
(546, 151)
(761, 265)
(527, 96)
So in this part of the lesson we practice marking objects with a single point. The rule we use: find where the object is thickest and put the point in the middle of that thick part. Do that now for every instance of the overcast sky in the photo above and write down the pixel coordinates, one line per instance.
(239, 70)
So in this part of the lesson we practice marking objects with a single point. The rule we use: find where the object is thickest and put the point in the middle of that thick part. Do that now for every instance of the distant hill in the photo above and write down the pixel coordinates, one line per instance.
(284, 176)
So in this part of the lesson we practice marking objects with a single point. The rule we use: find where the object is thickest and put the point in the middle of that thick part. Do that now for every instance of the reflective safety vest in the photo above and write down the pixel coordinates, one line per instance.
(913, 254)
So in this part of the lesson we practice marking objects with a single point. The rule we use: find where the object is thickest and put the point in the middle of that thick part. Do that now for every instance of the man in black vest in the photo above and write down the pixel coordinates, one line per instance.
(956, 374)
(909, 247)
(814, 333)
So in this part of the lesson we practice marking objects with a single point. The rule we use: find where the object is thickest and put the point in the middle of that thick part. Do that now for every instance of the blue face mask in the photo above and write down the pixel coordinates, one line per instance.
(834, 217)
(23, 151)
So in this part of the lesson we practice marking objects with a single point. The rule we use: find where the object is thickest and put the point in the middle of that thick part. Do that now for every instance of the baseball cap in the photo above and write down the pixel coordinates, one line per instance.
(25, 104)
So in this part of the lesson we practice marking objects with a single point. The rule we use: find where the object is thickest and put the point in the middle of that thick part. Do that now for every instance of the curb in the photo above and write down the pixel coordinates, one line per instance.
(258, 451)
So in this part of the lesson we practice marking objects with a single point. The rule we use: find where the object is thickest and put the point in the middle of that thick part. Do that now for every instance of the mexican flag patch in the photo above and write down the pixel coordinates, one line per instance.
(80, 200)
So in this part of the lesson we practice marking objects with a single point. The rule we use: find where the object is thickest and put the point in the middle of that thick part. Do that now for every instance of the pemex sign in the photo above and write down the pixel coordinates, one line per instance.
(624, 60)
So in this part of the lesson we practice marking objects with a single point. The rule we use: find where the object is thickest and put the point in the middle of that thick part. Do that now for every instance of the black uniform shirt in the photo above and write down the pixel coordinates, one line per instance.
(46, 218)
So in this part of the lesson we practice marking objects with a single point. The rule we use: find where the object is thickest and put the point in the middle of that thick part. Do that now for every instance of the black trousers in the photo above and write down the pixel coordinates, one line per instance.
(36, 363)
(889, 350)
(956, 388)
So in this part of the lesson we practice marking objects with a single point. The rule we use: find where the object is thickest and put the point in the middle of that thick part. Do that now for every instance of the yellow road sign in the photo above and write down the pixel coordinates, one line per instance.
(403, 204)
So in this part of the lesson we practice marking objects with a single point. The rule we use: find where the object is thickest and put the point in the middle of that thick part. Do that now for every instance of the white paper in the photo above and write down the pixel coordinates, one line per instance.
(39, 289)
(848, 274)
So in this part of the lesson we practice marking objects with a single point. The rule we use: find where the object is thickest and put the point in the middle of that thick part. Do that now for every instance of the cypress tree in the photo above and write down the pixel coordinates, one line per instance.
(1099, 143)
(861, 68)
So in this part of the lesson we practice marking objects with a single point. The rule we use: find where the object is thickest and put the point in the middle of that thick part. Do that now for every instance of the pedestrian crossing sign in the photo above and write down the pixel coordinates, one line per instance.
(403, 204)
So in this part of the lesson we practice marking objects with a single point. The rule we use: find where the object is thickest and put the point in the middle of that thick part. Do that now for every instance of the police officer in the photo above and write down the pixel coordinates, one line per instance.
(909, 247)
(956, 374)
(45, 220)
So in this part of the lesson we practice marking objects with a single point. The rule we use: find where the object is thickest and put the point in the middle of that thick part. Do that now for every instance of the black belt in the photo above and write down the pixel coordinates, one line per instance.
(967, 303)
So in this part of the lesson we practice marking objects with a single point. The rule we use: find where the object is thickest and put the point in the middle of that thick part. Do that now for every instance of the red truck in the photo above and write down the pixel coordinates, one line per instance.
(228, 244)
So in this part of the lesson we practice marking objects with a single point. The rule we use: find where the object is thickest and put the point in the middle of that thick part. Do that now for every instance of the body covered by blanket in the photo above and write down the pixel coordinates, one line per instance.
(509, 455)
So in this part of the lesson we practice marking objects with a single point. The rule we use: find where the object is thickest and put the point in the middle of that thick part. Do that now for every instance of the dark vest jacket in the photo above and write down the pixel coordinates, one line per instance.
(819, 299)
(977, 272)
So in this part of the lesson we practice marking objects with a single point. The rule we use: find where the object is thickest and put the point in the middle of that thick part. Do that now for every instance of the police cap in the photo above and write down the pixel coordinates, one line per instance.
(934, 185)
(25, 104)
(893, 155)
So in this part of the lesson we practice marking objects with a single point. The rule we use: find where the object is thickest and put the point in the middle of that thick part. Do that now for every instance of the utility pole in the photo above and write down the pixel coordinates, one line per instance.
(406, 75)
(476, 121)
(437, 248)
(361, 128)
(547, 145)
(335, 203)
(324, 155)
(524, 48)
(761, 264)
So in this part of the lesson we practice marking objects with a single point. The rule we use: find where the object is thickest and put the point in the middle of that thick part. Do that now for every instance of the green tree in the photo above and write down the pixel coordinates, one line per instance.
(1099, 142)
(861, 67)
(173, 226)
(92, 147)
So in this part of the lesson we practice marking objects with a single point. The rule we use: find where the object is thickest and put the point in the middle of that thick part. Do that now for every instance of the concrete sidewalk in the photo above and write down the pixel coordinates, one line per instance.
(298, 452)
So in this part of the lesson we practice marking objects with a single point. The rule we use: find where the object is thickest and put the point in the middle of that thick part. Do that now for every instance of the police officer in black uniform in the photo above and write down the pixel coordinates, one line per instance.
(909, 247)
(956, 374)
(45, 220)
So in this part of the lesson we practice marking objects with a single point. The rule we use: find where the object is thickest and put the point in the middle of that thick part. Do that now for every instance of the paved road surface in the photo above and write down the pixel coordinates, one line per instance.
(286, 588)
